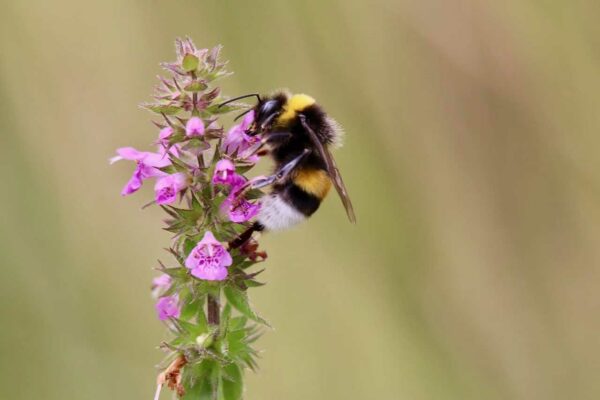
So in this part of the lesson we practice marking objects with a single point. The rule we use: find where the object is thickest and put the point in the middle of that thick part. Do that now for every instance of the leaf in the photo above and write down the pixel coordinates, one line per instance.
(162, 109)
(210, 96)
(196, 86)
(179, 272)
(175, 254)
(193, 306)
(239, 300)
(192, 329)
(215, 109)
(169, 211)
(233, 383)
(253, 283)
(190, 62)
(199, 382)
(196, 205)
(237, 323)
(225, 316)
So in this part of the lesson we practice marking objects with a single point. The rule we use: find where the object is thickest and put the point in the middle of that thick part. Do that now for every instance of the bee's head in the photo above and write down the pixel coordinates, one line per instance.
(266, 112)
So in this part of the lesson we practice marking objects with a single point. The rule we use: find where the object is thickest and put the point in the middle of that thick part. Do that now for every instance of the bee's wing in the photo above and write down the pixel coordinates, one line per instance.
(333, 172)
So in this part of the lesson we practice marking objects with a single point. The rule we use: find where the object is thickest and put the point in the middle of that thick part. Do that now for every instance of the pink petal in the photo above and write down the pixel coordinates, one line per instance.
(247, 121)
(162, 281)
(165, 133)
(210, 274)
(224, 165)
(129, 153)
(168, 187)
(208, 238)
(157, 160)
(194, 127)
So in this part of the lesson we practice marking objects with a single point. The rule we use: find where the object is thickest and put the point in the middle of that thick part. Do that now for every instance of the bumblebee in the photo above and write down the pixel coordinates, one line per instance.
(297, 134)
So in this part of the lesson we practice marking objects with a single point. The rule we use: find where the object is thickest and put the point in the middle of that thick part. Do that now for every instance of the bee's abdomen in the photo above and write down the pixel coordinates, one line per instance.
(286, 206)
(314, 181)
(303, 201)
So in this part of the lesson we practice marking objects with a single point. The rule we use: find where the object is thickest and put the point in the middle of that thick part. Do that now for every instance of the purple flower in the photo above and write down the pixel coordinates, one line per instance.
(238, 209)
(160, 285)
(194, 127)
(209, 259)
(164, 135)
(147, 166)
(157, 160)
(168, 187)
(239, 144)
(168, 307)
(225, 174)
(163, 281)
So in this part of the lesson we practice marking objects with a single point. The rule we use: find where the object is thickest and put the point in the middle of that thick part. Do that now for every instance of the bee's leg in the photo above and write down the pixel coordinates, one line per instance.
(281, 173)
(246, 235)
(257, 183)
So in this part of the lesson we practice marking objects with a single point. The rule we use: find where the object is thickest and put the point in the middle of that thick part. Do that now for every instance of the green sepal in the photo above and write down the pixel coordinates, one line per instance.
(210, 96)
(239, 300)
(177, 136)
(188, 246)
(190, 62)
(176, 255)
(252, 283)
(242, 169)
(190, 329)
(238, 344)
(237, 323)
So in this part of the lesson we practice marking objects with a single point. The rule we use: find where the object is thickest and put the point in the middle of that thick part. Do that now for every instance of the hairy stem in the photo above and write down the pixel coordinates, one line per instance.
(213, 310)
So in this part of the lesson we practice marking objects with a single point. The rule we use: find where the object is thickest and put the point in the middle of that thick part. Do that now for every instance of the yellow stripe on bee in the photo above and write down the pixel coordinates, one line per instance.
(313, 181)
(294, 105)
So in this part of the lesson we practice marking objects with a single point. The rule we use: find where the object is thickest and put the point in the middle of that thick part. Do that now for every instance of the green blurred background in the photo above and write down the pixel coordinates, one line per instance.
(471, 157)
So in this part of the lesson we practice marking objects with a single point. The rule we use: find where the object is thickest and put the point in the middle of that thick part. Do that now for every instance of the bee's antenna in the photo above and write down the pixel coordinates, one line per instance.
(239, 98)
(242, 114)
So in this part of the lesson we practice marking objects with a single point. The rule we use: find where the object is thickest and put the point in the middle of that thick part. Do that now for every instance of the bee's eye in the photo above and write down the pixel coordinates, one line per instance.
(267, 107)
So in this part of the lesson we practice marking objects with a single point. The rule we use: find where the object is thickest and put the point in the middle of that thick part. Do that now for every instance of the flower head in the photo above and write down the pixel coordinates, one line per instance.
(239, 144)
(225, 174)
(209, 259)
(158, 160)
(168, 307)
(147, 166)
(238, 209)
(164, 135)
(160, 284)
(194, 127)
(168, 187)
(163, 281)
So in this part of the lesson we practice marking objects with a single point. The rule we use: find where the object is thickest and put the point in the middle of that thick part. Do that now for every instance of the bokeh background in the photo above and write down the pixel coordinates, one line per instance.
(471, 156)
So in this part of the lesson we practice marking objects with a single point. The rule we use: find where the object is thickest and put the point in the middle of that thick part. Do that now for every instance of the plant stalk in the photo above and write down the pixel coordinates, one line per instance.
(213, 309)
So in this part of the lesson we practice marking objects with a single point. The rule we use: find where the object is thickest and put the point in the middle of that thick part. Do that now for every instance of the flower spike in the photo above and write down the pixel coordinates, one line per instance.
(199, 181)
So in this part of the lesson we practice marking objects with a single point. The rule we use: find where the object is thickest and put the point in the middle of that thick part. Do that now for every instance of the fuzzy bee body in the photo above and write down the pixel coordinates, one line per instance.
(297, 133)
(300, 193)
